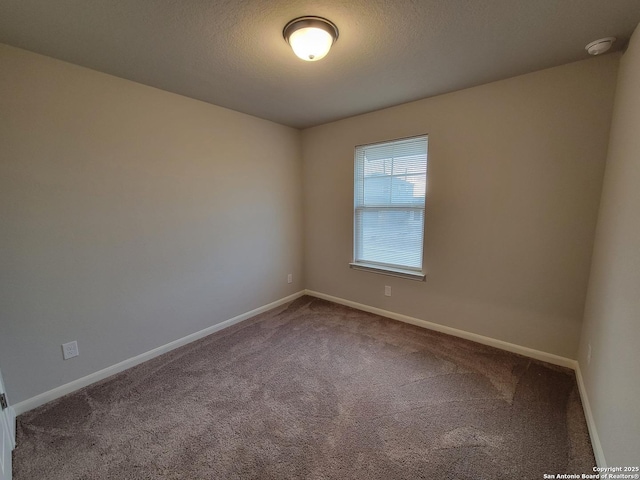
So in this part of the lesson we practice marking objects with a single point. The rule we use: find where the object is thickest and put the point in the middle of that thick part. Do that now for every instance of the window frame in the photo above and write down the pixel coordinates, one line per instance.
(412, 273)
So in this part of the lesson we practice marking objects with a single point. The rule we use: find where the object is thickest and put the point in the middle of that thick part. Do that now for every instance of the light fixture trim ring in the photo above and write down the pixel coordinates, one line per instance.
(310, 21)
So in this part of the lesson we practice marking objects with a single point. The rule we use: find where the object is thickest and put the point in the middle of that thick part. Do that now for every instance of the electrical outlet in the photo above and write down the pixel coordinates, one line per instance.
(387, 291)
(589, 354)
(70, 350)
(290, 278)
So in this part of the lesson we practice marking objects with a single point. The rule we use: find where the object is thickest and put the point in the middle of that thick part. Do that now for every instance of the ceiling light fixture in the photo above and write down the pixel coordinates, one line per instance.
(598, 47)
(310, 38)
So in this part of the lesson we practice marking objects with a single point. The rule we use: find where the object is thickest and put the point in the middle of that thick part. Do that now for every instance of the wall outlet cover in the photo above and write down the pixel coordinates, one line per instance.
(70, 350)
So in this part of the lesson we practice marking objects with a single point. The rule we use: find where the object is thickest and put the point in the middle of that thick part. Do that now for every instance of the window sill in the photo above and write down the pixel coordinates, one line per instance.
(391, 271)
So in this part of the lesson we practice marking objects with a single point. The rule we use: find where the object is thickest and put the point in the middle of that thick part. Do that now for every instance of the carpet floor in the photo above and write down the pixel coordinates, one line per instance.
(315, 390)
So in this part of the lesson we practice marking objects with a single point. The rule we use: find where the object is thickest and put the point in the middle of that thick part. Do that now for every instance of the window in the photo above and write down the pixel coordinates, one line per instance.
(389, 196)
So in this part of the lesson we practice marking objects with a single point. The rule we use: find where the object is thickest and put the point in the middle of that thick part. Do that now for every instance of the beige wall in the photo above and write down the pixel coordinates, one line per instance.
(515, 172)
(612, 313)
(131, 217)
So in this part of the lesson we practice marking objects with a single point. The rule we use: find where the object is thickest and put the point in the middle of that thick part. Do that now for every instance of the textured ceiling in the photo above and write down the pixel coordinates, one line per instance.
(231, 52)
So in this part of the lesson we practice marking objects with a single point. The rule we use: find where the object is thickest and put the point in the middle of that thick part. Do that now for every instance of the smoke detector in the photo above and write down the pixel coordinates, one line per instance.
(598, 47)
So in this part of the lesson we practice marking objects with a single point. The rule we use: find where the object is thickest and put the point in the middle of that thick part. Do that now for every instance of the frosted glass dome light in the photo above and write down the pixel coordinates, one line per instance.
(310, 38)
(310, 43)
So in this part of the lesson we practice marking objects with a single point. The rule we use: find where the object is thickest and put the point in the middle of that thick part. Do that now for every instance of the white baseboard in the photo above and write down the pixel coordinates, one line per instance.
(12, 427)
(67, 388)
(591, 424)
(70, 387)
(492, 342)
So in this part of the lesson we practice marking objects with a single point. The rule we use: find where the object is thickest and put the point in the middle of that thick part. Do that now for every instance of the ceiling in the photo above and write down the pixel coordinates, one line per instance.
(231, 52)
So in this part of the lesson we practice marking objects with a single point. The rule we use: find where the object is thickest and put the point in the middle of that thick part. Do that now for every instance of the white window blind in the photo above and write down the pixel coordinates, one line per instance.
(390, 187)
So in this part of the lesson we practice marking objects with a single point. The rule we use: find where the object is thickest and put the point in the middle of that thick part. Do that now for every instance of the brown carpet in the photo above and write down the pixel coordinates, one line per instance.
(315, 390)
